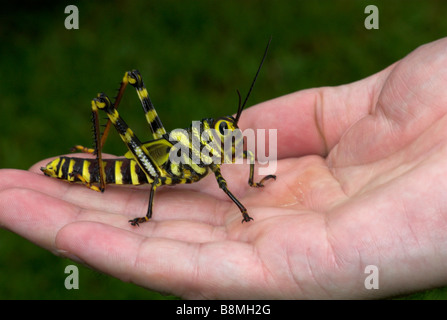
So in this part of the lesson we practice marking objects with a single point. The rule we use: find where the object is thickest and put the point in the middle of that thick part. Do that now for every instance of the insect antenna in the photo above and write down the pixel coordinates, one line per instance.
(241, 107)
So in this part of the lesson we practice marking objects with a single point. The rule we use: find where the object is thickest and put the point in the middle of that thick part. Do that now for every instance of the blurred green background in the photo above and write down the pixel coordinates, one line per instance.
(193, 56)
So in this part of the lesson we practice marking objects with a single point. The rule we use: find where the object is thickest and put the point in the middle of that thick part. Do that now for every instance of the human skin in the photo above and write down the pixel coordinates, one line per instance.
(361, 180)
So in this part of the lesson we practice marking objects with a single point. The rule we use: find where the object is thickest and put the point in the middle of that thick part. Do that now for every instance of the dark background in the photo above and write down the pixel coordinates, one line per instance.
(193, 56)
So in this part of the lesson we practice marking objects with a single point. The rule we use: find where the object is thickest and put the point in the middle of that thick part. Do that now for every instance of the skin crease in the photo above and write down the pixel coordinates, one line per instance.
(361, 180)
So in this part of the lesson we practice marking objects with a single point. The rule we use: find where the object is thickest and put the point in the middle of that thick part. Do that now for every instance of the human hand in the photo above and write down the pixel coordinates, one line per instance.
(371, 193)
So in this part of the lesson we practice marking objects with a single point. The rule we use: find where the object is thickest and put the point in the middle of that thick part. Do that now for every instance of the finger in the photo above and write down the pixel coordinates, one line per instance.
(169, 204)
(40, 223)
(312, 121)
(115, 200)
(182, 268)
(13, 178)
(34, 215)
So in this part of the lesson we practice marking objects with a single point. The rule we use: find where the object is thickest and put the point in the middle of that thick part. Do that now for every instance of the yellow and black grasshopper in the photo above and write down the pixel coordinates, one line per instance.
(169, 159)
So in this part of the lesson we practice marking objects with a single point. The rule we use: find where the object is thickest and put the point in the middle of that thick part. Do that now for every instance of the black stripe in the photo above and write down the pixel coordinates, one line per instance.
(109, 170)
(175, 181)
(125, 172)
(121, 126)
(64, 168)
(78, 165)
(156, 124)
(93, 170)
(167, 168)
(146, 103)
(58, 168)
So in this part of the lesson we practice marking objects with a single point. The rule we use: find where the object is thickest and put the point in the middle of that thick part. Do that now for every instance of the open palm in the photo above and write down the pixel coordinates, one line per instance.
(372, 192)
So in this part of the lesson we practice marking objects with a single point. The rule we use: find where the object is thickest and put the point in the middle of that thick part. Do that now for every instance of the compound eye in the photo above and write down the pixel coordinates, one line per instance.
(223, 127)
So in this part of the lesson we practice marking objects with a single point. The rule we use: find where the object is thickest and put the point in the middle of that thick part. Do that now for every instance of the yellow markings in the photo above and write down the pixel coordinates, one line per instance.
(118, 174)
(149, 179)
(86, 183)
(71, 177)
(113, 116)
(186, 173)
(133, 173)
(99, 104)
(82, 149)
(208, 146)
(196, 168)
(200, 154)
(51, 168)
(206, 125)
(175, 169)
(128, 136)
(126, 78)
(179, 136)
(85, 170)
(142, 93)
(158, 151)
(59, 174)
(159, 133)
(94, 188)
(129, 79)
(129, 155)
(94, 108)
(151, 115)
(184, 140)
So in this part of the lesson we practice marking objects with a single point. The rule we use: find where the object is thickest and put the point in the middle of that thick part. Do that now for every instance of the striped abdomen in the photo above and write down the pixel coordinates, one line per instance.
(117, 171)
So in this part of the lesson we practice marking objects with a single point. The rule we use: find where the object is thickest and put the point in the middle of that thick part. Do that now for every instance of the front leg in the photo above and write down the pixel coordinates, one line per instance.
(249, 155)
(138, 220)
(223, 185)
